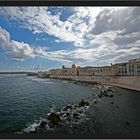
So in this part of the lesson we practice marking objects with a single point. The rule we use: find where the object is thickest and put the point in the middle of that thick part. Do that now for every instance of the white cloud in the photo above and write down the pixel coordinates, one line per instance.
(102, 34)
(40, 20)
(17, 50)
(20, 50)
(4, 38)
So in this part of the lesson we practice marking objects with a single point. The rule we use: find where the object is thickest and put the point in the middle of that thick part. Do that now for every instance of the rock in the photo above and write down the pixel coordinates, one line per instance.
(62, 113)
(33, 132)
(76, 117)
(42, 124)
(54, 118)
(112, 102)
(80, 111)
(106, 95)
(105, 91)
(67, 114)
(51, 125)
(99, 95)
(76, 106)
(109, 89)
(69, 107)
(87, 103)
(117, 106)
(95, 102)
(127, 123)
(69, 119)
(111, 95)
(83, 103)
(64, 109)
(75, 114)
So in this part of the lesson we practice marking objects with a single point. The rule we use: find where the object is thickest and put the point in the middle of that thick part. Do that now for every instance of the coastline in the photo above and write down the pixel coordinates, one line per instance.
(131, 83)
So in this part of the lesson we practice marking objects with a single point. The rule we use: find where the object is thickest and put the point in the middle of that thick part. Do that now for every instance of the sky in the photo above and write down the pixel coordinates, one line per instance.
(42, 38)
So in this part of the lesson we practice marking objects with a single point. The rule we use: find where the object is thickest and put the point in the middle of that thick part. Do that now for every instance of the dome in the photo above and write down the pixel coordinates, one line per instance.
(73, 66)
(63, 67)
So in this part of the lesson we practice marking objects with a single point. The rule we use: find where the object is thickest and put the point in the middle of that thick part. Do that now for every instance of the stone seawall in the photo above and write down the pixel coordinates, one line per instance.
(129, 82)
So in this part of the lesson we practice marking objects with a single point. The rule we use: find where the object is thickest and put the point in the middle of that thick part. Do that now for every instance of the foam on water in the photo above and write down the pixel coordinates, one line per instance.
(32, 127)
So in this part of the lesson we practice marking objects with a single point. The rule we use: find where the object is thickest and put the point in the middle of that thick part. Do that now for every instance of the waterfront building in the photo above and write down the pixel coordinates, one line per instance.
(73, 66)
(133, 67)
(121, 69)
(130, 68)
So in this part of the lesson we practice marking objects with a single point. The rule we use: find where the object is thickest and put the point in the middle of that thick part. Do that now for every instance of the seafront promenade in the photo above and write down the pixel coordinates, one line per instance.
(127, 82)
(125, 75)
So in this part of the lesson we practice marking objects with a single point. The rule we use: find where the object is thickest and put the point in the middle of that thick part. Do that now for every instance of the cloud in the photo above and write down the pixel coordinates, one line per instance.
(20, 50)
(102, 35)
(40, 20)
(4, 38)
(16, 50)
(117, 33)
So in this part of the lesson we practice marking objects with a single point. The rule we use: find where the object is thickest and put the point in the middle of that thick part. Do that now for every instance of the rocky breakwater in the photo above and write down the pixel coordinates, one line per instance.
(70, 114)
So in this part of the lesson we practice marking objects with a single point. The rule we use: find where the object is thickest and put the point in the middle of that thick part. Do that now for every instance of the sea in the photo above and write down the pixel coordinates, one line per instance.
(25, 101)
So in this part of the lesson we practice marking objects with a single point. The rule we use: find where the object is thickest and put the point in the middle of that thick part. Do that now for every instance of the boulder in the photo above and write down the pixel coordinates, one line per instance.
(69, 119)
(77, 117)
(76, 106)
(69, 107)
(64, 109)
(95, 102)
(117, 106)
(127, 123)
(67, 114)
(111, 95)
(83, 103)
(112, 102)
(100, 95)
(75, 114)
(109, 89)
(106, 95)
(61, 114)
(80, 111)
(42, 124)
(54, 118)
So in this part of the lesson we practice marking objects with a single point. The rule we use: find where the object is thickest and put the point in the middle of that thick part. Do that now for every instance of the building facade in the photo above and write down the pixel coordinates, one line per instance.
(130, 68)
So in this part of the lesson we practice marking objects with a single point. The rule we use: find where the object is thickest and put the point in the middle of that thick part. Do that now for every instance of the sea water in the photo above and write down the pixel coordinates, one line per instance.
(25, 100)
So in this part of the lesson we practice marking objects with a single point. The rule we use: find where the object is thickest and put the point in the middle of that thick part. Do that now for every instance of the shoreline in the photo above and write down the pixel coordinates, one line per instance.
(125, 87)
(128, 86)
